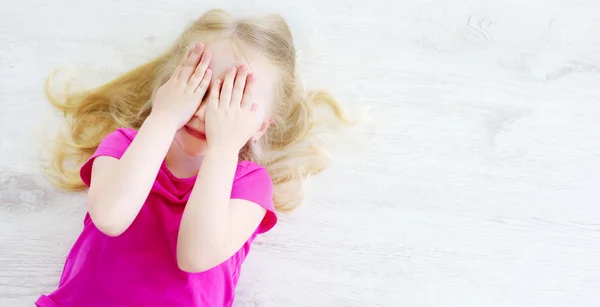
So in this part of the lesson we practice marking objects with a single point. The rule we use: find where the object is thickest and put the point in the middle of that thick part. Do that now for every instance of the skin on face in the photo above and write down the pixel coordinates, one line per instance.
(188, 147)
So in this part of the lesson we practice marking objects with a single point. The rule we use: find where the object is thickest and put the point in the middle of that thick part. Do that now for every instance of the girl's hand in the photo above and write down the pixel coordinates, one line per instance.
(231, 117)
(178, 99)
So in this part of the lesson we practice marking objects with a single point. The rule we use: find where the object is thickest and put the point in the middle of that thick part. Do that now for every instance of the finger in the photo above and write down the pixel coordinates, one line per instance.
(179, 68)
(192, 62)
(238, 87)
(225, 98)
(213, 99)
(248, 91)
(199, 72)
(203, 86)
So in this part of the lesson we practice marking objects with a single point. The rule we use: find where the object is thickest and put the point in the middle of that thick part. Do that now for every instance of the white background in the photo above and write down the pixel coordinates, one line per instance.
(480, 188)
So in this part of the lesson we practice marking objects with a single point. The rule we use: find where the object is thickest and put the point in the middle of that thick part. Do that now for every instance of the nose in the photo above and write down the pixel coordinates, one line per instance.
(201, 111)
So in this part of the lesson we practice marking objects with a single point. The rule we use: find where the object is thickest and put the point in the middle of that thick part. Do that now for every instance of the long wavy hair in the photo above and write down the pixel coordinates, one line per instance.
(291, 150)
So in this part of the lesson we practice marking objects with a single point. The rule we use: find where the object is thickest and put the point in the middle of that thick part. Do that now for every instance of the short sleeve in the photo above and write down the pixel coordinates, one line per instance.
(253, 183)
(113, 145)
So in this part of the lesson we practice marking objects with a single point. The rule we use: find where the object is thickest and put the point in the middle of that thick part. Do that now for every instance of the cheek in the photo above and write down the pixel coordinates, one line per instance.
(265, 116)
(265, 105)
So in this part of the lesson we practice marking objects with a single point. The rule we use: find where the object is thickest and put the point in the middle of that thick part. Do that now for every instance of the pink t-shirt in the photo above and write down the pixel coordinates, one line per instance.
(139, 267)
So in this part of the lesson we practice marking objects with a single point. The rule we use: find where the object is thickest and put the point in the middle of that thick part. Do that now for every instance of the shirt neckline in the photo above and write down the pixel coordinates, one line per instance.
(173, 177)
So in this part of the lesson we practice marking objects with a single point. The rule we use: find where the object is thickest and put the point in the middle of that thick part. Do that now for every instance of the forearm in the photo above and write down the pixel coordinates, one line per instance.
(205, 225)
(119, 192)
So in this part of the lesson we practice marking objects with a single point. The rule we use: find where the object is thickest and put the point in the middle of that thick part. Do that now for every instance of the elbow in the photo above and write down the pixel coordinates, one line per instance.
(108, 226)
(109, 229)
(191, 267)
(107, 223)
(194, 264)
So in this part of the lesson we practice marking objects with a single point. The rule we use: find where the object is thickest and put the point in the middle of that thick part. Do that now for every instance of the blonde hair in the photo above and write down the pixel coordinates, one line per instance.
(291, 150)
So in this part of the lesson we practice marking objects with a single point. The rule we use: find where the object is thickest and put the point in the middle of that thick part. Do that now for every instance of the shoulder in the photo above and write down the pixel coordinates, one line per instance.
(245, 168)
(250, 175)
(113, 145)
(119, 137)
(116, 143)
(253, 183)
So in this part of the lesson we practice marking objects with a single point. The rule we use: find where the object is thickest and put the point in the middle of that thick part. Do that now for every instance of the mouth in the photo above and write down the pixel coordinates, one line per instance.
(195, 133)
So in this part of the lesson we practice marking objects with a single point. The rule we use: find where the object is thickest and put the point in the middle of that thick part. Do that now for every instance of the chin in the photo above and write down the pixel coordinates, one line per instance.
(194, 151)
(189, 144)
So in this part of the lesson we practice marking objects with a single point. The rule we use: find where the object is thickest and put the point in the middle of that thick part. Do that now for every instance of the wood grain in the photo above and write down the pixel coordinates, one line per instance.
(480, 187)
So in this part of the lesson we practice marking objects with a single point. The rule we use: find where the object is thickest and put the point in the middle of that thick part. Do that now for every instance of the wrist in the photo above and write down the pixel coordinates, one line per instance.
(161, 122)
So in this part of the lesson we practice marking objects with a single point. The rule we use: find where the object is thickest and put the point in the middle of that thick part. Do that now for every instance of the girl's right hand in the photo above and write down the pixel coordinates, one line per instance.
(179, 98)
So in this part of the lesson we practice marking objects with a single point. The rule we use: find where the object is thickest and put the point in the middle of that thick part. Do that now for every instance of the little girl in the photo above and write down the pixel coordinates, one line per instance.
(186, 159)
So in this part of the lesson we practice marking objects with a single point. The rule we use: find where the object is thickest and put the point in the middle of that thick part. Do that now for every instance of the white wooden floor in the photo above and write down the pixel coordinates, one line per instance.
(482, 187)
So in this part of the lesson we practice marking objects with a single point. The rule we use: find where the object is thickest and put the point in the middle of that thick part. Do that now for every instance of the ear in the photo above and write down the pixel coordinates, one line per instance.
(261, 131)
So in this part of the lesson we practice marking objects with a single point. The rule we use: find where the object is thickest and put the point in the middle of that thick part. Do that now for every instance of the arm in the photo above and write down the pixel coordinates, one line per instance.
(213, 226)
(120, 187)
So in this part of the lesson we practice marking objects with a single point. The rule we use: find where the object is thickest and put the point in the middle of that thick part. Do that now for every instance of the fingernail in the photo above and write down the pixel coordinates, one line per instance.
(199, 46)
(243, 67)
(232, 69)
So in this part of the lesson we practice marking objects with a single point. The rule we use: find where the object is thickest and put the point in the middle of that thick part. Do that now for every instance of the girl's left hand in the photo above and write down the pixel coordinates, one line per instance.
(231, 117)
